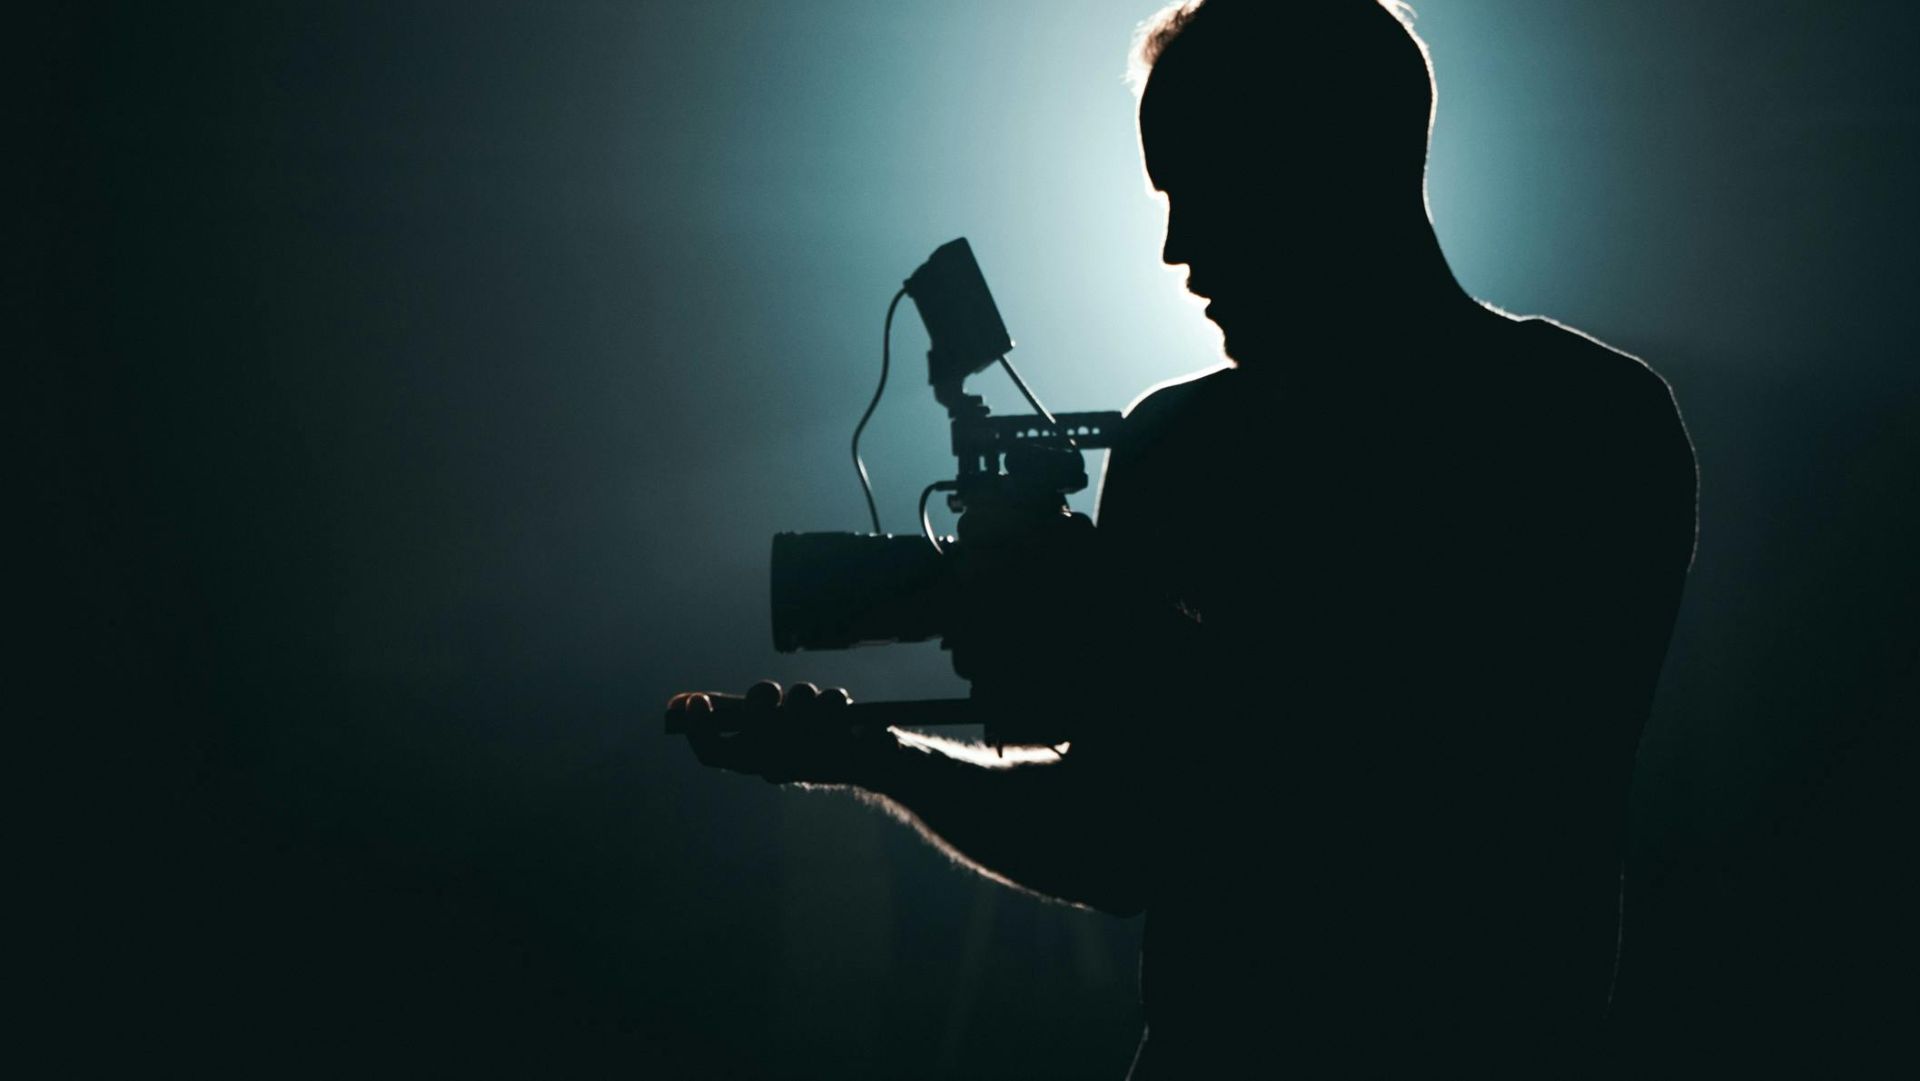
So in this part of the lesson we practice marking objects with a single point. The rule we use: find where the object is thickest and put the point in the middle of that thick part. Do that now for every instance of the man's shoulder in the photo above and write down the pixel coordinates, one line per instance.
(1156, 443)
(1176, 409)
(1172, 397)
(1602, 404)
(1582, 370)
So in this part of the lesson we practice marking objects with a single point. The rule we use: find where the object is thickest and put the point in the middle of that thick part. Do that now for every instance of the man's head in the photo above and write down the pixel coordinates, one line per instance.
(1290, 141)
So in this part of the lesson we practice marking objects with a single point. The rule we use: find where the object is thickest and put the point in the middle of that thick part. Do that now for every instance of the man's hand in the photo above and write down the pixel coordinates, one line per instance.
(801, 735)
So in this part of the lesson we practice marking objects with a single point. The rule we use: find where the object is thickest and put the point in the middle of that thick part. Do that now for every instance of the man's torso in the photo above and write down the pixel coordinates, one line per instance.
(1431, 601)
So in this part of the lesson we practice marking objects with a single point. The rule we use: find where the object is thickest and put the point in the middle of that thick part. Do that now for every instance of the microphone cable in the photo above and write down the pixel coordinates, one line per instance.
(886, 362)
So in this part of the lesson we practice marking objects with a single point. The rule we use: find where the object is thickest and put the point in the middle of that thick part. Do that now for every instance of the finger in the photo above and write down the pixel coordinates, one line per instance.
(763, 695)
(802, 695)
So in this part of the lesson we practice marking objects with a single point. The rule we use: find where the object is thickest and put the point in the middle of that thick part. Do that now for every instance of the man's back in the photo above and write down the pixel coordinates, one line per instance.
(1437, 643)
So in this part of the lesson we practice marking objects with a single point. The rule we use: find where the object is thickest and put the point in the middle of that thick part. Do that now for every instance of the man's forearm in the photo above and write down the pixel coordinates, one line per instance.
(1029, 818)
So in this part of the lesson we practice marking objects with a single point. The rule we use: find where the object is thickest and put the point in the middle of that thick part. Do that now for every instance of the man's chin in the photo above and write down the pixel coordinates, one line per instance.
(1240, 348)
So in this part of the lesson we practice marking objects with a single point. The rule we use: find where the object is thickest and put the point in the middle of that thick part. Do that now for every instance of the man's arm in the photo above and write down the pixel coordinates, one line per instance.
(1067, 824)
(1053, 823)
(1078, 825)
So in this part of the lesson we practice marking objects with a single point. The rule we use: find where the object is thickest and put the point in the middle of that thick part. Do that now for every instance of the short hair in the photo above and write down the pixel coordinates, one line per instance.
(1152, 37)
(1158, 30)
(1378, 74)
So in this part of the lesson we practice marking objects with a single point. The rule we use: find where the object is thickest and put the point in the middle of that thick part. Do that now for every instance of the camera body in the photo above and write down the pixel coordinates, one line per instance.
(839, 590)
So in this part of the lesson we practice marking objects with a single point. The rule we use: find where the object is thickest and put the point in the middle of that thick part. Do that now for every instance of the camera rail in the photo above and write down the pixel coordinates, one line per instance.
(997, 435)
(729, 710)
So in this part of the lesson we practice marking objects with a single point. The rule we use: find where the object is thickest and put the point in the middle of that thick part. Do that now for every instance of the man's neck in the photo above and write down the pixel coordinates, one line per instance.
(1363, 335)
(1376, 301)
(1389, 286)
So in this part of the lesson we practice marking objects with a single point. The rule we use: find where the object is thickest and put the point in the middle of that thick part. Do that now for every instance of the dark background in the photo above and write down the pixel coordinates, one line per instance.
(412, 389)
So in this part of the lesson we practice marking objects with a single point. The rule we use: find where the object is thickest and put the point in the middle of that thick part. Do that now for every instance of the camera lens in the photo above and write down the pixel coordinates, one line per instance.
(836, 590)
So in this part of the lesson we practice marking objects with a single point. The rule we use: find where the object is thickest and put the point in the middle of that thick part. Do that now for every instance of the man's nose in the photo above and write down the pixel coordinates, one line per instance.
(1173, 247)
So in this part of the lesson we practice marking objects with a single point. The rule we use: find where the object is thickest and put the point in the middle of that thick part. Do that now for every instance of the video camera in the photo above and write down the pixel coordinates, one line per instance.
(1013, 475)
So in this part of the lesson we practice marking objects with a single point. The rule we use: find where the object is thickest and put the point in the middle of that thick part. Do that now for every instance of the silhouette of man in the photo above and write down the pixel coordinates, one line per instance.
(1393, 591)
